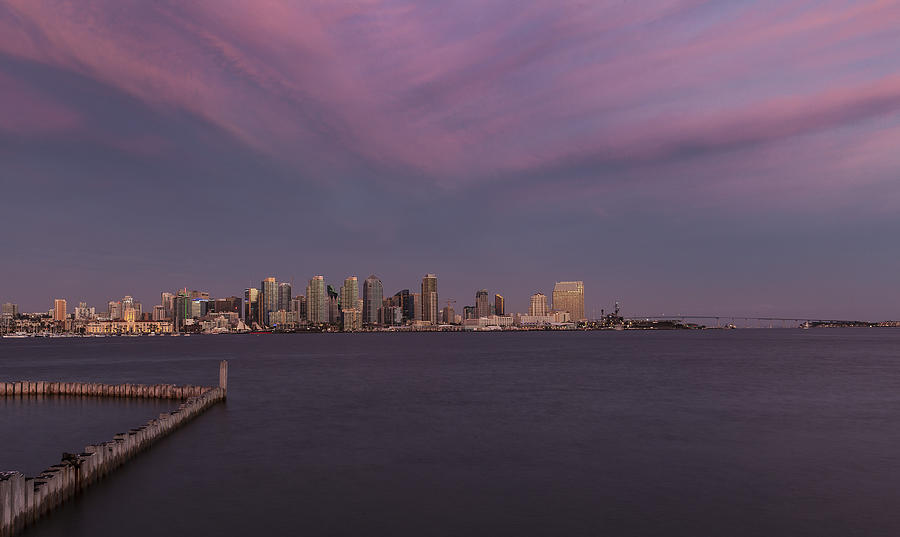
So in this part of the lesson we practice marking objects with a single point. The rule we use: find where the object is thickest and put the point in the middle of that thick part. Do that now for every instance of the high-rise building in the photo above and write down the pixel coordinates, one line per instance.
(251, 305)
(84, 313)
(199, 294)
(167, 301)
(448, 316)
(373, 294)
(59, 310)
(316, 301)
(415, 300)
(231, 304)
(114, 310)
(127, 303)
(482, 304)
(349, 293)
(9, 309)
(284, 296)
(469, 312)
(268, 300)
(499, 305)
(430, 299)
(538, 304)
(406, 305)
(334, 305)
(298, 306)
(182, 311)
(569, 296)
(159, 313)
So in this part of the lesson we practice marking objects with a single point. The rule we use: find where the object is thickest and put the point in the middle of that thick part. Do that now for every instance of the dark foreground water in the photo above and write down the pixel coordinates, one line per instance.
(744, 432)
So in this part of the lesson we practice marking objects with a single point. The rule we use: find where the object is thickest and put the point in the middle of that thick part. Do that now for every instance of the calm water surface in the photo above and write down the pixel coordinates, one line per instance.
(744, 432)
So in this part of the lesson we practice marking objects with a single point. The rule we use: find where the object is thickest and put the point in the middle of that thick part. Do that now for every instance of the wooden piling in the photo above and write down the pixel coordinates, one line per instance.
(24, 500)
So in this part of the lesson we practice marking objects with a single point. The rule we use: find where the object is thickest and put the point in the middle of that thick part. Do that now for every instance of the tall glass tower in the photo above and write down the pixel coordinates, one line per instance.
(373, 293)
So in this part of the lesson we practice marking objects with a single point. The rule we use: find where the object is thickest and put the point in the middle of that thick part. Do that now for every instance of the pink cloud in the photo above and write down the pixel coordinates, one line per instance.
(465, 91)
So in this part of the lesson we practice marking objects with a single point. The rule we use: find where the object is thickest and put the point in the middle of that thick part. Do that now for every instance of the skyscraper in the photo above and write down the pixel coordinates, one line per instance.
(406, 305)
(538, 304)
(316, 311)
(251, 305)
(349, 293)
(569, 296)
(59, 310)
(268, 299)
(482, 304)
(284, 296)
(167, 301)
(182, 310)
(499, 305)
(114, 310)
(373, 293)
(430, 299)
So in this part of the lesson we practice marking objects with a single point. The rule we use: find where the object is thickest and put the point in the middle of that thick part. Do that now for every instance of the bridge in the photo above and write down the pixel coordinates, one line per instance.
(739, 321)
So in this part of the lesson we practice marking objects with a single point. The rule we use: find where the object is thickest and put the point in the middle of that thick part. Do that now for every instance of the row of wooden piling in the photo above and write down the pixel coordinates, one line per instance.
(93, 389)
(23, 500)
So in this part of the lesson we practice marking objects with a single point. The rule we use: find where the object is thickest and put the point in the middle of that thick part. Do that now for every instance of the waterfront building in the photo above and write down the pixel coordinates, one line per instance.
(129, 327)
(59, 310)
(482, 304)
(284, 296)
(251, 305)
(569, 296)
(499, 306)
(538, 304)
(283, 320)
(430, 299)
(316, 297)
(352, 319)
(199, 307)
(469, 312)
(159, 313)
(558, 318)
(127, 303)
(268, 299)
(373, 295)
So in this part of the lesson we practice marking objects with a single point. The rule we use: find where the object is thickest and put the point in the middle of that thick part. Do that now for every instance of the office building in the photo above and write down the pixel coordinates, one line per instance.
(538, 305)
(373, 294)
(159, 313)
(569, 297)
(349, 293)
(114, 310)
(430, 299)
(482, 304)
(499, 306)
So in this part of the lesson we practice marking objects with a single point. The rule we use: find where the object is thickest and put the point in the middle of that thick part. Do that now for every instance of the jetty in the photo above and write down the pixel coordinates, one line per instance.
(24, 500)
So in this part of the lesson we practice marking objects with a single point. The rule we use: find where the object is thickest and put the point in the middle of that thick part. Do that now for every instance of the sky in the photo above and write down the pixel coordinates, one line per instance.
(680, 156)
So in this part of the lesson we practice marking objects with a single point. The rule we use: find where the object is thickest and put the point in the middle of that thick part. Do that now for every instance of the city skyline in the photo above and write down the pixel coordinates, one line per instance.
(711, 157)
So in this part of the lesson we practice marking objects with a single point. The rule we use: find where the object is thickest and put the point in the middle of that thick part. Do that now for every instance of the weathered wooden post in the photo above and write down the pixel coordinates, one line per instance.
(223, 376)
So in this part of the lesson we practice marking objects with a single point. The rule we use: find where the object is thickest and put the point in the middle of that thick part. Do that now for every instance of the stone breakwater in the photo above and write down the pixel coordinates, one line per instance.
(24, 500)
